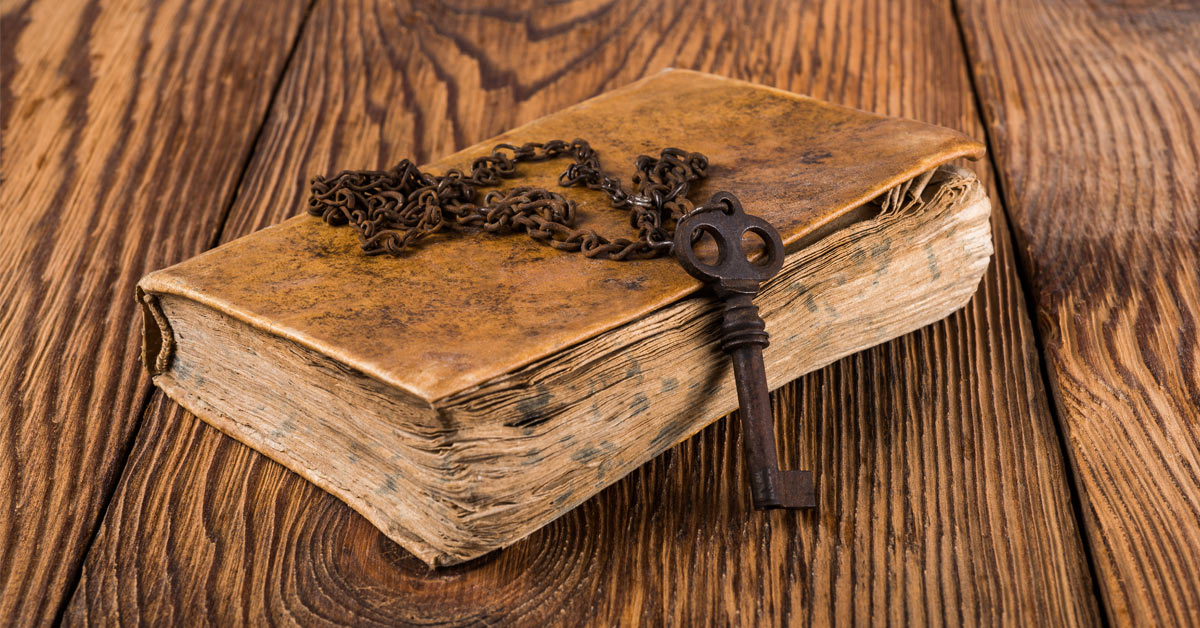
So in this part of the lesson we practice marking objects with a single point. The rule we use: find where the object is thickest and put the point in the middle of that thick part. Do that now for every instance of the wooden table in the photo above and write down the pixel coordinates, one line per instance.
(1032, 460)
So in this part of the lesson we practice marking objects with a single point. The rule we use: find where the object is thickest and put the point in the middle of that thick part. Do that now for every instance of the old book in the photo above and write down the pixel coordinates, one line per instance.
(468, 393)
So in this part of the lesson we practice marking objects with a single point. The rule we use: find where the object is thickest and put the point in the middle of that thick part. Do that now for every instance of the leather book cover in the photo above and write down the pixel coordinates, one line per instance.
(458, 310)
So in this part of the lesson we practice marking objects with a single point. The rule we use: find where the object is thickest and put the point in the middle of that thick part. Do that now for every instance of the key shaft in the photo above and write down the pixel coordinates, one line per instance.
(743, 337)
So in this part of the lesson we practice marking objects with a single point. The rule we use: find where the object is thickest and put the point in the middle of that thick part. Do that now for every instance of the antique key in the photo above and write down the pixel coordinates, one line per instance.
(736, 280)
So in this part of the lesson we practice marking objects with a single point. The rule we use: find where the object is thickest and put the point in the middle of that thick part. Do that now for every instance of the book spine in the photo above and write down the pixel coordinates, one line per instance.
(158, 341)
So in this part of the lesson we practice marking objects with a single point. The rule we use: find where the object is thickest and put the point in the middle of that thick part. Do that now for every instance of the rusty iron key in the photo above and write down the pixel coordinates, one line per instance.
(736, 280)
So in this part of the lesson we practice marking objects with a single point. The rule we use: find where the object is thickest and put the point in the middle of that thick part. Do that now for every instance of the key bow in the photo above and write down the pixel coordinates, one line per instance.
(723, 218)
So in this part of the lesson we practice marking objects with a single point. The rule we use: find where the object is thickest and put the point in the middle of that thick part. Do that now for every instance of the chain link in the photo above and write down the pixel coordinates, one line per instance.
(393, 209)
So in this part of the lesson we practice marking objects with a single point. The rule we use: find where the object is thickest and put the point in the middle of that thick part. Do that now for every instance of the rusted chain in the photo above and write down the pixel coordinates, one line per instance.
(393, 209)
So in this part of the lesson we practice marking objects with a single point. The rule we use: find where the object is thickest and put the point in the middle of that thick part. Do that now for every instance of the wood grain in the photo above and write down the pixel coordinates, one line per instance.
(1093, 110)
(125, 126)
(941, 482)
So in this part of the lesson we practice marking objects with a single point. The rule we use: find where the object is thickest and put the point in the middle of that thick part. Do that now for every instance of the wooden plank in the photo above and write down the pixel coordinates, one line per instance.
(125, 126)
(1094, 113)
(943, 492)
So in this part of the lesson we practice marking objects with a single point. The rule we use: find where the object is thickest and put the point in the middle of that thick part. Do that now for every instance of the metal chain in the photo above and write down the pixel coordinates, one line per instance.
(393, 209)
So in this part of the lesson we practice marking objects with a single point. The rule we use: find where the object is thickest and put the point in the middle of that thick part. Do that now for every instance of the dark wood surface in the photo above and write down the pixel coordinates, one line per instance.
(1094, 114)
(945, 495)
(944, 492)
(125, 130)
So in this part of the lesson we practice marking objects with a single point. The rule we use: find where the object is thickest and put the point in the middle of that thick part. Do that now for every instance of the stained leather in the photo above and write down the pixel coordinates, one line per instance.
(461, 309)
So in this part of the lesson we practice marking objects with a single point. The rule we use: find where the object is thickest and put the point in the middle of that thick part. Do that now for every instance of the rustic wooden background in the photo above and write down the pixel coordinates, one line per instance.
(1032, 460)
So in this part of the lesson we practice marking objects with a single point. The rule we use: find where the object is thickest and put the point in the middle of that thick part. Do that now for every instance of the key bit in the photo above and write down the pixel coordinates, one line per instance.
(736, 280)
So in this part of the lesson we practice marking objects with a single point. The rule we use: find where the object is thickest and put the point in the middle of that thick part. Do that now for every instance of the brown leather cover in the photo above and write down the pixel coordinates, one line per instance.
(461, 309)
